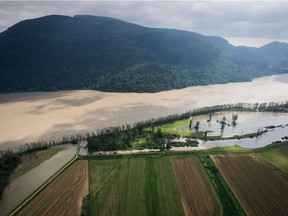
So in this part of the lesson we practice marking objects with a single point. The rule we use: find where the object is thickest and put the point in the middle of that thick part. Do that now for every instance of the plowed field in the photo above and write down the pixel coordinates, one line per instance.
(196, 193)
(260, 188)
(63, 196)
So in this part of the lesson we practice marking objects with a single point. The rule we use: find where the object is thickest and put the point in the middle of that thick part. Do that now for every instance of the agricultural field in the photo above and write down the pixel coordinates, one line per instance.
(260, 188)
(134, 186)
(196, 193)
(63, 196)
(169, 183)
(278, 157)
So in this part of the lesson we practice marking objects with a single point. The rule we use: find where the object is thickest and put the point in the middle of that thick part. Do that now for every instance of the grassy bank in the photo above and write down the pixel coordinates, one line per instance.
(278, 156)
(31, 160)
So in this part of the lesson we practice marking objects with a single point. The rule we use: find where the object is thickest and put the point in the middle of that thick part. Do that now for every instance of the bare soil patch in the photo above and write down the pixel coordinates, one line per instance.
(196, 193)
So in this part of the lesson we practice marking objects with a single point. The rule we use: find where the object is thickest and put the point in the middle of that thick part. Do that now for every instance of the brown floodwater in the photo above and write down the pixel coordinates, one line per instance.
(27, 117)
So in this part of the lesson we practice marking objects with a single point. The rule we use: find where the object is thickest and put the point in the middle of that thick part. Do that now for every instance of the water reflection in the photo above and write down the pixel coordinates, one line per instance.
(248, 122)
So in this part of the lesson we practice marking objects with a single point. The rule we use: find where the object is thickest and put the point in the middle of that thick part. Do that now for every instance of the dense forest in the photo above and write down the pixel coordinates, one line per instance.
(88, 52)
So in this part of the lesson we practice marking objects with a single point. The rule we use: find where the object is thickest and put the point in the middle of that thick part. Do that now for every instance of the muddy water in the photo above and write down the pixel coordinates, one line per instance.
(21, 187)
(27, 117)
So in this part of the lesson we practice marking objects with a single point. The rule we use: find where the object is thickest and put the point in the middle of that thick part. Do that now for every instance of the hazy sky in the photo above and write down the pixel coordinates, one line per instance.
(251, 23)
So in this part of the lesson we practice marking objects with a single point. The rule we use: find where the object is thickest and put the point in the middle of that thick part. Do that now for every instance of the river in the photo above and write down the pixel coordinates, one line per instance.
(27, 117)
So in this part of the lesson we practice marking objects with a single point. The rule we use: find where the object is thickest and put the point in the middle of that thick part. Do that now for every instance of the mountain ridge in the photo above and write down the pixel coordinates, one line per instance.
(59, 52)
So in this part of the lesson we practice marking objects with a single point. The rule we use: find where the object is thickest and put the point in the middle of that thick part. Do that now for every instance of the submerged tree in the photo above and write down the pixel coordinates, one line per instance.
(190, 124)
(197, 125)
(210, 117)
(234, 119)
(223, 123)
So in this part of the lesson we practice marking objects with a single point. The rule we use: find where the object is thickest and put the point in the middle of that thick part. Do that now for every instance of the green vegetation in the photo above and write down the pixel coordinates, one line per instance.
(278, 156)
(133, 186)
(87, 52)
(230, 204)
(8, 163)
(155, 133)
(109, 170)
(85, 203)
(234, 148)
(150, 186)
(239, 149)
(172, 130)
(107, 185)
(144, 184)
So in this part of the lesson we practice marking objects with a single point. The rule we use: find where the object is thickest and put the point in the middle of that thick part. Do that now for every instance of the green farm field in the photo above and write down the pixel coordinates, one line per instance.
(133, 186)
(277, 157)
(175, 183)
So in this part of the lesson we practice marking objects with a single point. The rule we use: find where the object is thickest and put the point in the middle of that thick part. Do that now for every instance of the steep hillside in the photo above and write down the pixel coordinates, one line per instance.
(88, 52)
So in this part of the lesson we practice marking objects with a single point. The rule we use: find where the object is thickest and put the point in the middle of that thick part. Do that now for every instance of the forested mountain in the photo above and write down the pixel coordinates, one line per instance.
(88, 52)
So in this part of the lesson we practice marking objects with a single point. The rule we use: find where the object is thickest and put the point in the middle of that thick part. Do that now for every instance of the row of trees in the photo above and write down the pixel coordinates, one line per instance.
(8, 162)
(10, 159)
(123, 137)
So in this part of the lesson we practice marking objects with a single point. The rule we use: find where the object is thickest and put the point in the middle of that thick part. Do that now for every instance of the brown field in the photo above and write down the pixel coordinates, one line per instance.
(260, 188)
(64, 195)
(196, 193)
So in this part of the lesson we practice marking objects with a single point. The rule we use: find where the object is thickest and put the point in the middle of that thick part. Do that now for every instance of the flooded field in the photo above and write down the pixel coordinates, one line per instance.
(247, 122)
(27, 117)
(23, 186)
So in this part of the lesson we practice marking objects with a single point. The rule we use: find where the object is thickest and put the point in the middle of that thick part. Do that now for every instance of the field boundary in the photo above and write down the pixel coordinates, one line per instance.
(182, 201)
(35, 193)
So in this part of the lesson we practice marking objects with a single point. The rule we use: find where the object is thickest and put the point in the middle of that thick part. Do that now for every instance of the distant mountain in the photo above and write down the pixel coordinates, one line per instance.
(88, 52)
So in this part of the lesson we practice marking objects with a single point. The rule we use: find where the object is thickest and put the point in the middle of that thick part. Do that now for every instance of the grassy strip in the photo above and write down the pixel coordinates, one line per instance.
(201, 134)
(216, 150)
(244, 136)
(277, 156)
(85, 206)
(31, 160)
(229, 202)
(239, 149)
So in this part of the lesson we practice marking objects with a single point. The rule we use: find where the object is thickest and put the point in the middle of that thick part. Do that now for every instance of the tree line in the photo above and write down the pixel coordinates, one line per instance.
(123, 137)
